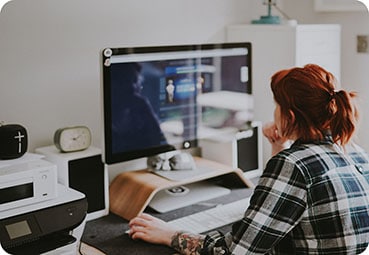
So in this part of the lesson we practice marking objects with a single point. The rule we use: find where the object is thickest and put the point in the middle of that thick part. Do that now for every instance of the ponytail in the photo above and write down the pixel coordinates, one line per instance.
(343, 122)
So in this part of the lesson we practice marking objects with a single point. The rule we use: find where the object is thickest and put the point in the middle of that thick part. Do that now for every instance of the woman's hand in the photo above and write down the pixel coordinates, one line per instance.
(151, 229)
(278, 142)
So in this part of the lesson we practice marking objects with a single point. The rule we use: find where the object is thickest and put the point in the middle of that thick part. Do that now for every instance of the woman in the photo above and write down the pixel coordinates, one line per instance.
(313, 196)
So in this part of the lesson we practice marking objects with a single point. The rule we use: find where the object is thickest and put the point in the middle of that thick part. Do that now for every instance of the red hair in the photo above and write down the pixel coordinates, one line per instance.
(310, 104)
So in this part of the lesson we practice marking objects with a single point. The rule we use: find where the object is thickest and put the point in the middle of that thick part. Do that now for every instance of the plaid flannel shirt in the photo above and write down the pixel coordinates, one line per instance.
(311, 199)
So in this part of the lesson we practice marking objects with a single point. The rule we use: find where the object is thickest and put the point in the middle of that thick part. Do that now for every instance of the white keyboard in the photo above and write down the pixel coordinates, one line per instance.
(213, 218)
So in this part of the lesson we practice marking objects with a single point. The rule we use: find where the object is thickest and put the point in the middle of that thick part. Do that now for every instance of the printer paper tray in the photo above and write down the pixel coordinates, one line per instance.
(42, 245)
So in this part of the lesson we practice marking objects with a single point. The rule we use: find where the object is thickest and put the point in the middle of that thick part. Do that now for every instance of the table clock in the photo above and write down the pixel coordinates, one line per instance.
(71, 139)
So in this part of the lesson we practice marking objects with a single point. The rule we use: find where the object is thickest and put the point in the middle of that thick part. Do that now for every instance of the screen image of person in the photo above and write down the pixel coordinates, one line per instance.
(312, 197)
(135, 124)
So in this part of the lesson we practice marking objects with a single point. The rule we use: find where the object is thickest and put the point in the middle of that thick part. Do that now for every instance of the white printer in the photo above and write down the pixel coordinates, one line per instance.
(53, 226)
(38, 215)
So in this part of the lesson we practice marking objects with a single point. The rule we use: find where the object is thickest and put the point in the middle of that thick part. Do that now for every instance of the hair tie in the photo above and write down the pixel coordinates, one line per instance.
(333, 94)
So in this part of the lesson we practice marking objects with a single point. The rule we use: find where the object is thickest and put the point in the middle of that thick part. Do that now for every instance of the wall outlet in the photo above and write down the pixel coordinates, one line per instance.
(362, 43)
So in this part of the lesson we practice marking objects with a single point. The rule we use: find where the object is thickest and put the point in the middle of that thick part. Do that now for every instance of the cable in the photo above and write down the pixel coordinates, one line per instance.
(281, 12)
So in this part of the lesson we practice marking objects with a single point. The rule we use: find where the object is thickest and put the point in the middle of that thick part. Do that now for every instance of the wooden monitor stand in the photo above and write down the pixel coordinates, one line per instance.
(131, 192)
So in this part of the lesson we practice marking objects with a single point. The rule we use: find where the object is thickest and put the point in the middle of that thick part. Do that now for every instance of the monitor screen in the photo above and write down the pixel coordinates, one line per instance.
(158, 99)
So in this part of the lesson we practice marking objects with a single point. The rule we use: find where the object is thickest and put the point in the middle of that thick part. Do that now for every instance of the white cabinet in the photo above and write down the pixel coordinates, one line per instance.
(276, 47)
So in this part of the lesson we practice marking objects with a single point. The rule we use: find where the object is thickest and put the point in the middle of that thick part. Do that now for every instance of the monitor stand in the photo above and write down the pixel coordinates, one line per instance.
(131, 192)
(181, 196)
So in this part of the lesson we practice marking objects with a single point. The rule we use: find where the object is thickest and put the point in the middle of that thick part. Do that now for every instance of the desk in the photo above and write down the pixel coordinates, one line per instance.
(108, 233)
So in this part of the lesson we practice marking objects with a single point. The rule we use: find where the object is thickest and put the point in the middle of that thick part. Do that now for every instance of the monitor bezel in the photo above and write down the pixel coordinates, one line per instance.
(108, 156)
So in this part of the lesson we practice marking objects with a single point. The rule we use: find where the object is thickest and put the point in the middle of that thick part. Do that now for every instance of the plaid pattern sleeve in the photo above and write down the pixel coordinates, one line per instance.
(275, 208)
(311, 199)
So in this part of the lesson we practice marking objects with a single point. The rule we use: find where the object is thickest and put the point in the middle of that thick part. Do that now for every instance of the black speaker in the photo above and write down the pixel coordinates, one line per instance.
(87, 175)
(13, 141)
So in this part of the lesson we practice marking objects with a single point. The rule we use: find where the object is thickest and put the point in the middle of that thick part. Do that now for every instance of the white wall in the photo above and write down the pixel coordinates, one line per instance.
(49, 64)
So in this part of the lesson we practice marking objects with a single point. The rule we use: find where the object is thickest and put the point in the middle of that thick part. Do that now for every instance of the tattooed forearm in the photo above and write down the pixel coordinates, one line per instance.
(187, 244)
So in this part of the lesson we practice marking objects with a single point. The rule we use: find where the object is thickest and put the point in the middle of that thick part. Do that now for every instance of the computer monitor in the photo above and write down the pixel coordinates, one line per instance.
(163, 98)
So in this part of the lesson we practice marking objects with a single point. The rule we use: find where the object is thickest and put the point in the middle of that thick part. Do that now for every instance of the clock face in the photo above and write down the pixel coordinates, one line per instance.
(72, 138)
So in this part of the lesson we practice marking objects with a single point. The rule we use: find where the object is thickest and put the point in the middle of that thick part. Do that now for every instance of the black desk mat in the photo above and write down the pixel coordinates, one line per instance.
(108, 233)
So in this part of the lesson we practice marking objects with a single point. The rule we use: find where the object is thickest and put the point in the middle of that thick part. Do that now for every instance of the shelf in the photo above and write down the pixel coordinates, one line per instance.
(338, 5)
